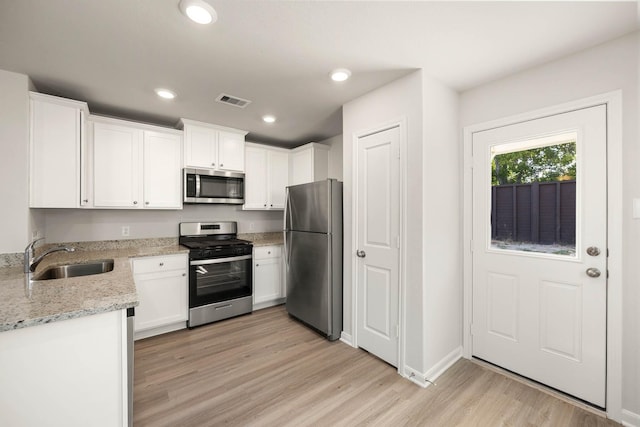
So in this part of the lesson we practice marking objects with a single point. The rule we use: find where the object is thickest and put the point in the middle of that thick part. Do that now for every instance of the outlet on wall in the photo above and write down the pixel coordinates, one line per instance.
(125, 230)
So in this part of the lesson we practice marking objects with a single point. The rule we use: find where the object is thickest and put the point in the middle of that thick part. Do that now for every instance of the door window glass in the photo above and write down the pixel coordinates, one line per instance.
(533, 195)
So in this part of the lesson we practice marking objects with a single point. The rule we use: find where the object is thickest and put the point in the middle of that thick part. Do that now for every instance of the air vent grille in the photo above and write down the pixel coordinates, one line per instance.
(232, 100)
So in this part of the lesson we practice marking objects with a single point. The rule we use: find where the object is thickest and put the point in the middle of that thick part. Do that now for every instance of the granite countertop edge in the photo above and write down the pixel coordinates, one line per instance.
(62, 299)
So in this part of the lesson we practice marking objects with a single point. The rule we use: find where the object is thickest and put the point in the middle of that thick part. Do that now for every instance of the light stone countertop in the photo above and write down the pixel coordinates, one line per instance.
(264, 239)
(60, 299)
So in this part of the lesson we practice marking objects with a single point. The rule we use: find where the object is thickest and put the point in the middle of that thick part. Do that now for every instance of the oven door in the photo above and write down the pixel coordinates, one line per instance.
(219, 279)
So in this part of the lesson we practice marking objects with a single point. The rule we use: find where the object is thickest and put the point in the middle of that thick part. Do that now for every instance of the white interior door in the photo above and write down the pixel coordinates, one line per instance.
(539, 309)
(378, 231)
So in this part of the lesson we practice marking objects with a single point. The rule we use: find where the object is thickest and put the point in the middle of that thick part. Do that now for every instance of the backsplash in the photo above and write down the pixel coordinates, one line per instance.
(80, 225)
(11, 260)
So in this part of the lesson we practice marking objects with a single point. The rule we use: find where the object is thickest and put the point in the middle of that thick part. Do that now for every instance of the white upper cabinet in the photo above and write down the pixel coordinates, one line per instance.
(266, 178)
(117, 166)
(162, 170)
(56, 137)
(213, 147)
(309, 163)
(278, 178)
(136, 166)
(255, 179)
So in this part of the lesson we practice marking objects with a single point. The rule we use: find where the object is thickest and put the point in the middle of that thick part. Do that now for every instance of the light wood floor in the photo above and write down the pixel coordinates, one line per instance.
(266, 369)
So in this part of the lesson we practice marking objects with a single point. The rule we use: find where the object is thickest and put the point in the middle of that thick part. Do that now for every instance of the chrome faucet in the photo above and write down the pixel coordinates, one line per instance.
(30, 263)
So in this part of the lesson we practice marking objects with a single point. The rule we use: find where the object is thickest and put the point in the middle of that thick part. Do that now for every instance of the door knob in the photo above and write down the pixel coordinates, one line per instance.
(593, 272)
(593, 251)
(361, 254)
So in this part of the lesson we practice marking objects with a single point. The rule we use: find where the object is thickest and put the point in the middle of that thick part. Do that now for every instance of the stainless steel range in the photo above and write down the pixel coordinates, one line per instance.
(220, 281)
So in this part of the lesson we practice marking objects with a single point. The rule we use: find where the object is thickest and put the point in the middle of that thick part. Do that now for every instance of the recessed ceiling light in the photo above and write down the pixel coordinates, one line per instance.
(340, 75)
(198, 11)
(268, 119)
(165, 93)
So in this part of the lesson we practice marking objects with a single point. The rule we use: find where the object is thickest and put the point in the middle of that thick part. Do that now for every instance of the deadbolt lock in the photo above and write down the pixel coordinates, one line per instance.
(593, 251)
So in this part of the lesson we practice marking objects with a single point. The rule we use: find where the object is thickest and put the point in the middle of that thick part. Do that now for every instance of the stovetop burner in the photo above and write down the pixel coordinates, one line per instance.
(207, 243)
(212, 240)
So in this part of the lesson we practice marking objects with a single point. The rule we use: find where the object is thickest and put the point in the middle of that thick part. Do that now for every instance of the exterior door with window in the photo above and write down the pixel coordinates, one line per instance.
(540, 250)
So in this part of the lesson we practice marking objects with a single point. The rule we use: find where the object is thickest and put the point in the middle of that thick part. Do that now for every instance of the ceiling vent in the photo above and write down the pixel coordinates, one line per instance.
(232, 100)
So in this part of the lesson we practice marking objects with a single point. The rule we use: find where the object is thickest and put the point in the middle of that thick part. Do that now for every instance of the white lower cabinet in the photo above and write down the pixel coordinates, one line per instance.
(162, 285)
(268, 279)
(67, 373)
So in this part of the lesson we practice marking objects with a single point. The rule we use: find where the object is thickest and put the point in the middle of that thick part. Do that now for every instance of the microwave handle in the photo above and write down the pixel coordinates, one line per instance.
(197, 185)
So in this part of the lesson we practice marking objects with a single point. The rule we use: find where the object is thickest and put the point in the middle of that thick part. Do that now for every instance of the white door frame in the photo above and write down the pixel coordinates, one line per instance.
(613, 101)
(401, 124)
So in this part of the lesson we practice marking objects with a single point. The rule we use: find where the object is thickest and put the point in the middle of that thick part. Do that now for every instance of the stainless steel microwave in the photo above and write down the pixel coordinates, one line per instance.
(212, 186)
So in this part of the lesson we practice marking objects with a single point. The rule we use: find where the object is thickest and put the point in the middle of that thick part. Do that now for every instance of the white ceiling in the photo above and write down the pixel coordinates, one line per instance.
(113, 53)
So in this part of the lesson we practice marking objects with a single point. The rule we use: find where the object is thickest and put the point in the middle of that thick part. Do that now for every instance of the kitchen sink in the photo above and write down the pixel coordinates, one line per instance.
(75, 270)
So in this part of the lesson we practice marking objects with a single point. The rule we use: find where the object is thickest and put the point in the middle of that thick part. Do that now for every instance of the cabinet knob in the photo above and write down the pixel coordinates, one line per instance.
(268, 252)
(265, 205)
(213, 164)
(221, 165)
(85, 201)
(184, 274)
(146, 203)
(257, 265)
(161, 264)
(135, 202)
(271, 204)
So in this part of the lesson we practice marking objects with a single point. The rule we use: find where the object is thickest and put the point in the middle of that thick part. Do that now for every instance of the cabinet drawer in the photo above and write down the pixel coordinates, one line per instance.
(265, 252)
(159, 263)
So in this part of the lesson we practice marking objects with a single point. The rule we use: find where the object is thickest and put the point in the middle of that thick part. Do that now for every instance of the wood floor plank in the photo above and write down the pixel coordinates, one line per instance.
(266, 369)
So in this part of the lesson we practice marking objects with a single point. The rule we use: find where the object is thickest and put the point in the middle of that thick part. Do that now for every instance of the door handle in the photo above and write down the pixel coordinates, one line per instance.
(593, 272)
(593, 251)
(361, 254)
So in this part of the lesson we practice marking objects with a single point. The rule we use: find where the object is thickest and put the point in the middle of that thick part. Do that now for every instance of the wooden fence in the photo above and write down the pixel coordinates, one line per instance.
(542, 212)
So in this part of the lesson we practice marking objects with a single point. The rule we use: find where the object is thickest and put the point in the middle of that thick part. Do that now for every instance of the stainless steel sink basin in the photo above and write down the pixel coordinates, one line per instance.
(75, 270)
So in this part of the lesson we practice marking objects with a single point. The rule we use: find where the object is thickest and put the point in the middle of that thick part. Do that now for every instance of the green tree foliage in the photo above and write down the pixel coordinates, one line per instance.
(544, 164)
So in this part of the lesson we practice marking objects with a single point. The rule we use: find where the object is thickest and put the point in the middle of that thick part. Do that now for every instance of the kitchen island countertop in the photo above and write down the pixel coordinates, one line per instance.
(60, 299)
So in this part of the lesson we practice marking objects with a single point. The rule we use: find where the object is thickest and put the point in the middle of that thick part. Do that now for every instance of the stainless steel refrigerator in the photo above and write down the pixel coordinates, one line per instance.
(313, 255)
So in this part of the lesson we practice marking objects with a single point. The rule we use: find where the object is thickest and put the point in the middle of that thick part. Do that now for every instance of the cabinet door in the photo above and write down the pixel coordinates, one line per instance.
(55, 155)
(278, 178)
(230, 151)
(267, 280)
(200, 147)
(117, 166)
(301, 167)
(163, 299)
(255, 179)
(162, 170)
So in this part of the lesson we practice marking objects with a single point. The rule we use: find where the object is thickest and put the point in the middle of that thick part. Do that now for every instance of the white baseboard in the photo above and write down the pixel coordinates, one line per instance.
(138, 335)
(346, 338)
(268, 304)
(630, 419)
(427, 378)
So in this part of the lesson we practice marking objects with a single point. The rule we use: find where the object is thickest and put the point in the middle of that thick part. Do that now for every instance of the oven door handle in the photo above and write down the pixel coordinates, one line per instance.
(220, 260)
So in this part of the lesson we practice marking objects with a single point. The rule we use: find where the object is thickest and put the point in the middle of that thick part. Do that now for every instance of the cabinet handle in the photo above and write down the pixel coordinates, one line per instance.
(162, 264)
